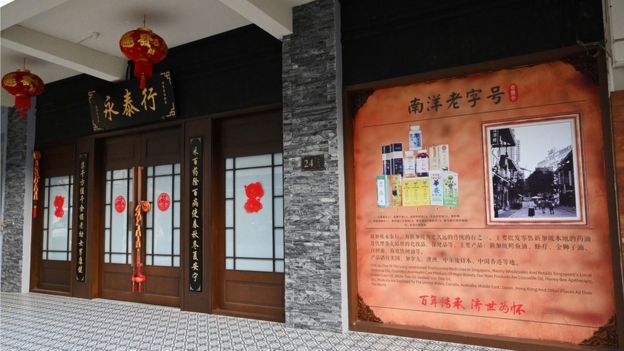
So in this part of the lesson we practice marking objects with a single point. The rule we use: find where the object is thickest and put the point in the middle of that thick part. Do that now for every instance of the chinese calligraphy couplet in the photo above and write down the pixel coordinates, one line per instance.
(195, 242)
(83, 165)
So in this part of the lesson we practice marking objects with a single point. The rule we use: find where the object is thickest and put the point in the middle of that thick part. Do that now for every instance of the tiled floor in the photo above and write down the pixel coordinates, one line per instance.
(46, 322)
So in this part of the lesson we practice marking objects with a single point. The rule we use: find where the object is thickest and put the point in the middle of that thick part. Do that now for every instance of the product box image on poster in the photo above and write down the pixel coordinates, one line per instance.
(450, 182)
(416, 191)
(439, 157)
(436, 188)
(388, 191)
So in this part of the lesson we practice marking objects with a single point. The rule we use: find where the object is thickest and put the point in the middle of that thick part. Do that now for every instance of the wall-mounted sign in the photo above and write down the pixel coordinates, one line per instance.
(124, 104)
(83, 184)
(481, 206)
(313, 163)
(196, 196)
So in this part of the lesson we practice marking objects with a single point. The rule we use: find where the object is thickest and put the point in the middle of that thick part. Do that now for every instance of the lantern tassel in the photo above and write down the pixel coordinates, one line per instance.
(22, 104)
(143, 71)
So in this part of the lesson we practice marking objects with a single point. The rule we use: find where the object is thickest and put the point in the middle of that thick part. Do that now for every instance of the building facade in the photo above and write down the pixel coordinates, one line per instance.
(252, 172)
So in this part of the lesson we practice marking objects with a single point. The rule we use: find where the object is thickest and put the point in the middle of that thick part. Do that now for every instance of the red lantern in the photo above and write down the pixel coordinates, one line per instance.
(23, 85)
(144, 48)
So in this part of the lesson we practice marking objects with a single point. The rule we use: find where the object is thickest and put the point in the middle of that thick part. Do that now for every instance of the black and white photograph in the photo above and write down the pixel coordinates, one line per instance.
(533, 170)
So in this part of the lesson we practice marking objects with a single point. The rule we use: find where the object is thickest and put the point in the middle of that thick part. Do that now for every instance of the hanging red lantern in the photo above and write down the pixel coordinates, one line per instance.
(23, 85)
(144, 48)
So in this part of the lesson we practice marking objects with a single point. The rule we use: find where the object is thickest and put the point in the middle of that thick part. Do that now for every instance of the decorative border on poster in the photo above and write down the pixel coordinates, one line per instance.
(539, 203)
(81, 260)
(195, 242)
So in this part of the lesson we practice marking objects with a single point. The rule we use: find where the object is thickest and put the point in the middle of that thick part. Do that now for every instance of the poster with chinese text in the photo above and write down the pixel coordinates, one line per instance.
(481, 205)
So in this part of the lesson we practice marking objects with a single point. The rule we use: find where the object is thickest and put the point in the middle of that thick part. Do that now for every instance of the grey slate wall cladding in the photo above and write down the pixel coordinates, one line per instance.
(312, 241)
(12, 234)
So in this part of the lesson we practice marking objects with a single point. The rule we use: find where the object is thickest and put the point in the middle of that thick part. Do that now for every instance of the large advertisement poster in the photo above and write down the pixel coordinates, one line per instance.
(481, 206)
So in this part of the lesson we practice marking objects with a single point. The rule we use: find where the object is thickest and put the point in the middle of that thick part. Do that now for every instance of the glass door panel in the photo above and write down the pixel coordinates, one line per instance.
(57, 224)
(118, 216)
(254, 235)
(162, 229)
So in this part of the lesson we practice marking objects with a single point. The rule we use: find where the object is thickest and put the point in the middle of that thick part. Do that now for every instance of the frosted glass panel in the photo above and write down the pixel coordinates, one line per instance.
(229, 164)
(279, 243)
(45, 219)
(117, 238)
(176, 186)
(57, 256)
(229, 213)
(278, 181)
(45, 239)
(120, 174)
(254, 230)
(229, 263)
(254, 265)
(163, 170)
(148, 240)
(176, 241)
(277, 158)
(163, 220)
(279, 212)
(229, 240)
(279, 266)
(118, 258)
(58, 215)
(119, 224)
(176, 215)
(162, 261)
(253, 161)
(229, 190)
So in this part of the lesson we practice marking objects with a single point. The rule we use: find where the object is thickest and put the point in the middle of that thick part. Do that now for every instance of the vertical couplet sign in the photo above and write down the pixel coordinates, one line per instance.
(481, 206)
(195, 249)
(83, 166)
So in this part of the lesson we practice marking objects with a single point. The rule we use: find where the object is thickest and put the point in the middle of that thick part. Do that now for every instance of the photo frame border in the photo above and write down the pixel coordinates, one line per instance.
(575, 118)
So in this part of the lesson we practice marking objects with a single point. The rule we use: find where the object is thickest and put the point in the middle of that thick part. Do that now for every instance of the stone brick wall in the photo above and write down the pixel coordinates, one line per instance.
(12, 233)
(311, 217)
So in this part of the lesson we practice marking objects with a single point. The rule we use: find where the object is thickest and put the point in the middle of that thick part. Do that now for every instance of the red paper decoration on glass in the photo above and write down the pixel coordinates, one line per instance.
(120, 204)
(254, 192)
(58, 204)
(144, 48)
(164, 201)
(23, 85)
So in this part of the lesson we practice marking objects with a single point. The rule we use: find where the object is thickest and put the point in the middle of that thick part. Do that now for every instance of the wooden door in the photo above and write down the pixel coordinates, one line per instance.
(52, 221)
(157, 155)
(248, 217)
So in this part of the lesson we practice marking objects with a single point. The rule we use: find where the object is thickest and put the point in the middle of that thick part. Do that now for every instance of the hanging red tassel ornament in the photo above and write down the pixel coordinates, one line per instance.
(23, 85)
(145, 48)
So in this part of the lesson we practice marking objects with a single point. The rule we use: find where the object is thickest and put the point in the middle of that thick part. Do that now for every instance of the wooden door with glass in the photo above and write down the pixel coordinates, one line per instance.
(248, 217)
(141, 241)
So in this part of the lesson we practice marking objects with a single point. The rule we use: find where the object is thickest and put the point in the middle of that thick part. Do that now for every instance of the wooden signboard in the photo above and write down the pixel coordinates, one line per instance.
(123, 105)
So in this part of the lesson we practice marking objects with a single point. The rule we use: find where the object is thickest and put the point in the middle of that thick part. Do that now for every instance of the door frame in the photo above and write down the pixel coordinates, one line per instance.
(197, 126)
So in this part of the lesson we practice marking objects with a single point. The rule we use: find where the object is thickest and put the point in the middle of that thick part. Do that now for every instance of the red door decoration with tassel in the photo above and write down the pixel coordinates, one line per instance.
(145, 48)
(23, 85)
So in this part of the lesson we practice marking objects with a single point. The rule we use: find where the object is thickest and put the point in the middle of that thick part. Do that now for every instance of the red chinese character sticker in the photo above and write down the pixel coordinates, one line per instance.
(512, 92)
(164, 201)
(254, 192)
(58, 204)
(120, 204)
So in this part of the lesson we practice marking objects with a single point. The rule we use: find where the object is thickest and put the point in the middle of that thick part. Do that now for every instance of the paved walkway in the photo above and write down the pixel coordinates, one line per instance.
(47, 322)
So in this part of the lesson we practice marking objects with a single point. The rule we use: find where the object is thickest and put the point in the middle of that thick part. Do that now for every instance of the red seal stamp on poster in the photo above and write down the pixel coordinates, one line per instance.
(513, 92)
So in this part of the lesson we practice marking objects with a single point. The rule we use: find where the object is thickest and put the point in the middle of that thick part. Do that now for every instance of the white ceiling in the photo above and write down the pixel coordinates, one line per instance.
(75, 21)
